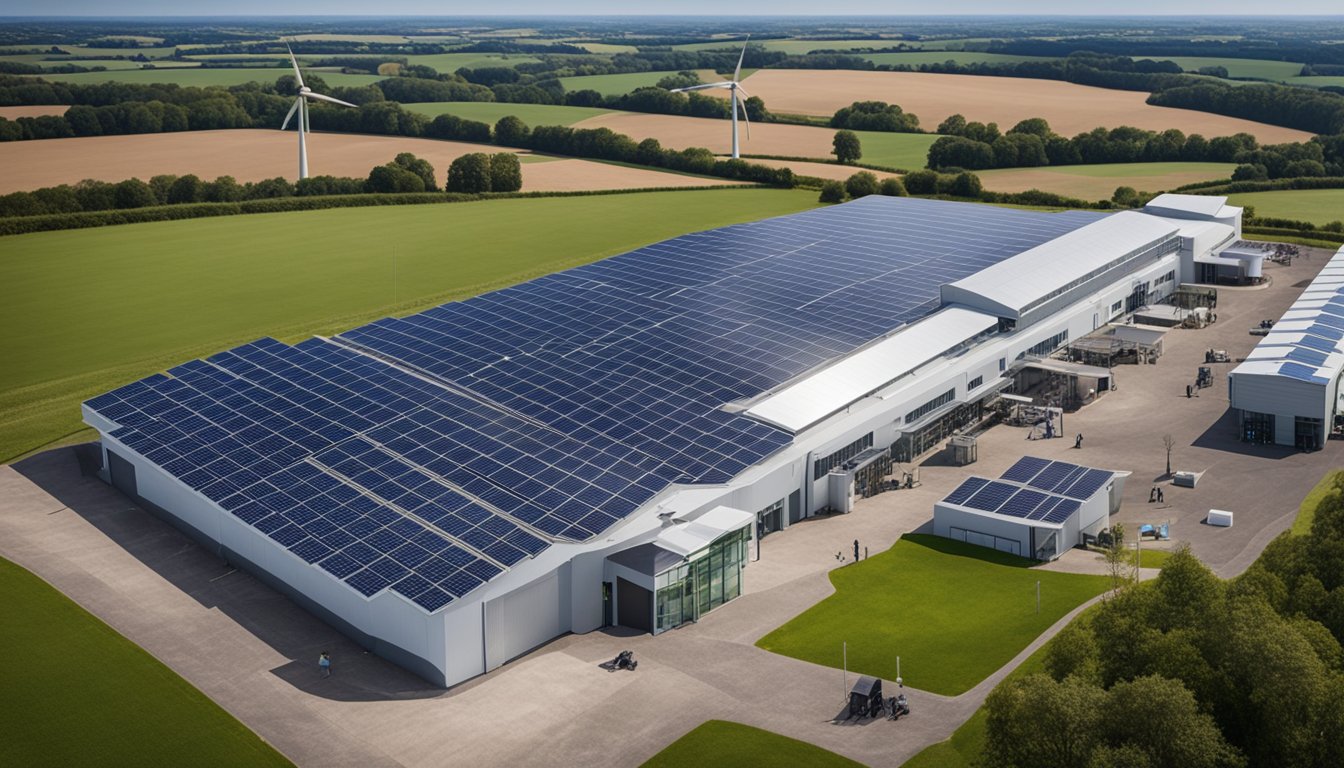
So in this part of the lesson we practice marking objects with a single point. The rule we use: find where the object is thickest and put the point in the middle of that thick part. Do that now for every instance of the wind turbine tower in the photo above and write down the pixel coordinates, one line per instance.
(735, 94)
(301, 106)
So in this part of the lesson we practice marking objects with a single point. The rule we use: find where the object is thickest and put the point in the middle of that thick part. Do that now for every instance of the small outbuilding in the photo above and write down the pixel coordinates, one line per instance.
(1038, 508)
(865, 698)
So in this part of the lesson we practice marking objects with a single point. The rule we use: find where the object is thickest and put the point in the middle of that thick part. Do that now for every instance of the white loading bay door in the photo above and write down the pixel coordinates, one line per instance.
(522, 620)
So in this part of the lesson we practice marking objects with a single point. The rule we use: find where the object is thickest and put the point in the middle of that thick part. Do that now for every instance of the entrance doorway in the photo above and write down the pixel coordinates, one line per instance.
(770, 519)
(606, 604)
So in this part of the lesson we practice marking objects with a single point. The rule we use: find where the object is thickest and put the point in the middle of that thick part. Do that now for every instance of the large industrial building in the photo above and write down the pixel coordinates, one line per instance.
(596, 446)
(1288, 391)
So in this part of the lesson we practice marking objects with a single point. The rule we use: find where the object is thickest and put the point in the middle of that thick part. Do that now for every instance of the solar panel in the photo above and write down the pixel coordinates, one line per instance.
(555, 408)
(968, 487)
(1088, 484)
(1023, 503)
(991, 497)
(1301, 373)
(1025, 469)
(1307, 356)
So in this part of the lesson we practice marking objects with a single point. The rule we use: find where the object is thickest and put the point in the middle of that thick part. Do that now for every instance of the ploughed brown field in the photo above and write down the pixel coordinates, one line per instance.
(252, 155)
(38, 110)
(1070, 109)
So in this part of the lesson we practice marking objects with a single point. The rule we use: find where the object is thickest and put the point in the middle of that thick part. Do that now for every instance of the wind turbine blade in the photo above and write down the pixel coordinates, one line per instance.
(292, 110)
(743, 91)
(328, 99)
(297, 75)
(703, 86)
(738, 101)
(737, 73)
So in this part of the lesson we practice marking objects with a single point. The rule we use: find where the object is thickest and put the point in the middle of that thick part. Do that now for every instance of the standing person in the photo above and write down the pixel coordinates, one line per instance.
(324, 664)
(1160, 500)
(1152, 494)
(1078, 441)
(856, 550)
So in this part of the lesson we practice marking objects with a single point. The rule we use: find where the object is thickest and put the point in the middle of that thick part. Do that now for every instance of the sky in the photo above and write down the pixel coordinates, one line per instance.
(681, 7)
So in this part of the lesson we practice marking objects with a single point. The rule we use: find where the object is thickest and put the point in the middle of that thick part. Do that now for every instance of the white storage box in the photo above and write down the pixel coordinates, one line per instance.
(1219, 517)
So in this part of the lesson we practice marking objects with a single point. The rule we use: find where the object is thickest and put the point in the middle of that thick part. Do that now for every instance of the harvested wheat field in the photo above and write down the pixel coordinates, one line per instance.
(37, 110)
(1070, 108)
(252, 155)
(1098, 182)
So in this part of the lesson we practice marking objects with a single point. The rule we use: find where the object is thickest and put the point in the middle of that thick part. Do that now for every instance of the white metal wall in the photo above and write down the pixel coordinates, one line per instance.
(523, 619)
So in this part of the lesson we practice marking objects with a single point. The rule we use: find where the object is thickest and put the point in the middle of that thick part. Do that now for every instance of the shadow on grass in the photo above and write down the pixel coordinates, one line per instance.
(962, 549)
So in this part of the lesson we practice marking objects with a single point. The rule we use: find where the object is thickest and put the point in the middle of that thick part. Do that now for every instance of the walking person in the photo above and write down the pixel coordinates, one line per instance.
(1160, 500)
(324, 664)
(856, 550)
(1152, 494)
(1078, 441)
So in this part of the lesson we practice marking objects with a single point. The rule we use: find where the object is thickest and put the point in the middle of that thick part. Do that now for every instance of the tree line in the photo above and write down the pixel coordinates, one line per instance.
(1031, 142)
(1189, 671)
(472, 173)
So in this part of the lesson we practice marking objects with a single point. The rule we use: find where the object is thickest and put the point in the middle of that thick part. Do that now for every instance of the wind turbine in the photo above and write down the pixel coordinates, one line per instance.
(301, 106)
(734, 89)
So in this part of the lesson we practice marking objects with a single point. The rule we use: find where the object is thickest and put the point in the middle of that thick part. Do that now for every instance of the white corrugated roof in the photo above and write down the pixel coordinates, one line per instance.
(1016, 282)
(1202, 205)
(812, 399)
(689, 538)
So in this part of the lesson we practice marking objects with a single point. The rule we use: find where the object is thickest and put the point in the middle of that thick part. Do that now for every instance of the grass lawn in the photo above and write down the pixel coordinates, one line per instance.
(88, 310)
(719, 743)
(1307, 512)
(1319, 206)
(205, 77)
(492, 111)
(907, 151)
(75, 692)
(967, 743)
(953, 612)
(613, 85)
(1097, 182)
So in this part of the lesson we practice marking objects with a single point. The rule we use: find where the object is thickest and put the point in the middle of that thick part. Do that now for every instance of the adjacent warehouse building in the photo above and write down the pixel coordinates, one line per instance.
(594, 447)
(1288, 391)
(1038, 508)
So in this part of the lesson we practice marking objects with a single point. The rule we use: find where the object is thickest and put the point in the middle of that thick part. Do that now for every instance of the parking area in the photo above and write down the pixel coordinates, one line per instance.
(254, 652)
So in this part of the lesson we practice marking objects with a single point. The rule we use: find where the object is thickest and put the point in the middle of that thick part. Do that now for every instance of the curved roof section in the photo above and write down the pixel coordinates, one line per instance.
(1307, 344)
(1008, 288)
(806, 402)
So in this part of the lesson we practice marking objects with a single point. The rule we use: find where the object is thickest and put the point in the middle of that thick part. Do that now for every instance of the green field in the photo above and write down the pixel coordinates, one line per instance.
(451, 62)
(915, 58)
(75, 692)
(613, 85)
(1318, 81)
(953, 612)
(492, 111)
(1098, 182)
(1256, 68)
(907, 151)
(88, 310)
(206, 77)
(1319, 206)
(721, 744)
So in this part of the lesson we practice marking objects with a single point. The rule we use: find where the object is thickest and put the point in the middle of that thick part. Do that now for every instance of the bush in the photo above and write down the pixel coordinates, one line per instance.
(506, 172)
(966, 184)
(846, 147)
(133, 193)
(470, 173)
(832, 192)
(393, 178)
(922, 182)
(892, 187)
(875, 116)
(511, 132)
(861, 184)
(420, 168)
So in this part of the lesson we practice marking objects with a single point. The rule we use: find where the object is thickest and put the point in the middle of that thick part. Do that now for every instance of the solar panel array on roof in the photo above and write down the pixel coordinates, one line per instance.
(1012, 500)
(1058, 477)
(1305, 351)
(426, 454)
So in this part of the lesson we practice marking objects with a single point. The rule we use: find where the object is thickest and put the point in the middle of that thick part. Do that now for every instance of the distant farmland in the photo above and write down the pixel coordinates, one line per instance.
(1319, 206)
(613, 85)
(206, 77)
(491, 111)
(1098, 182)
(256, 154)
(907, 151)
(1069, 108)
